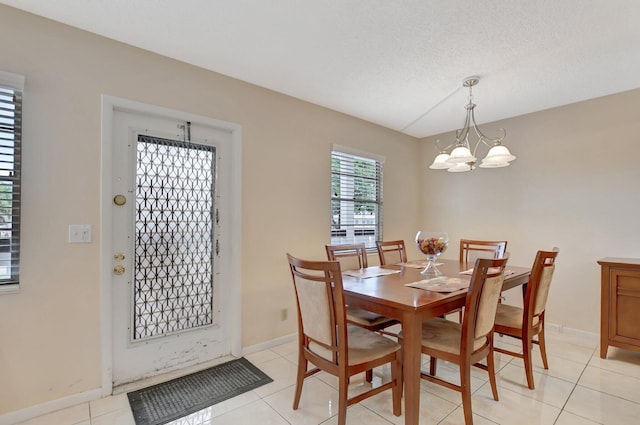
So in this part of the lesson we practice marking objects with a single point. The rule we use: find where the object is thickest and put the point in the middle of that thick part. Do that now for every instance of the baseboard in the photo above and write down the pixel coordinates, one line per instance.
(167, 376)
(269, 344)
(49, 407)
(572, 331)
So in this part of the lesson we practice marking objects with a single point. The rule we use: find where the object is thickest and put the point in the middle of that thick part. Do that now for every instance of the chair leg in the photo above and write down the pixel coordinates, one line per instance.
(396, 390)
(342, 401)
(369, 375)
(491, 369)
(500, 298)
(526, 354)
(433, 365)
(543, 346)
(302, 368)
(465, 390)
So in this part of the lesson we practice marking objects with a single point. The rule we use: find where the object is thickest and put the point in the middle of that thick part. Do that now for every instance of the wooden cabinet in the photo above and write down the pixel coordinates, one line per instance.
(620, 304)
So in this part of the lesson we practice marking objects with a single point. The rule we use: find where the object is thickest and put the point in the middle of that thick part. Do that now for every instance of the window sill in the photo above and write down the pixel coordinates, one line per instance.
(13, 288)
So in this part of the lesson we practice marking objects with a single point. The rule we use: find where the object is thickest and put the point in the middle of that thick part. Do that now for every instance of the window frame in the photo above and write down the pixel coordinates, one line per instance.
(11, 162)
(351, 229)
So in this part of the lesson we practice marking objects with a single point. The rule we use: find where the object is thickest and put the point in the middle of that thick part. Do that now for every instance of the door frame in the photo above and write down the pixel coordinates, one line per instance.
(234, 161)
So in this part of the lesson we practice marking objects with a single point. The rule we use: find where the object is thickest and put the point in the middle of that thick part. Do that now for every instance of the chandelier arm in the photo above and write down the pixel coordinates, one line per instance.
(488, 141)
(475, 148)
(462, 133)
(440, 149)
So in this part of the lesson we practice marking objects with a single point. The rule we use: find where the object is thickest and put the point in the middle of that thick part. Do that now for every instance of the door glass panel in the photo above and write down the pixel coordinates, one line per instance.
(174, 237)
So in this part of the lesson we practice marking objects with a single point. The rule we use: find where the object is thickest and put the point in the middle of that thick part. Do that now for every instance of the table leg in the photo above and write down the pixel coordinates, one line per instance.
(412, 337)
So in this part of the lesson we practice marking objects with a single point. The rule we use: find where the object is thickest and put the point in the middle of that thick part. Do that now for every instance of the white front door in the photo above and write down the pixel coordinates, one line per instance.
(169, 287)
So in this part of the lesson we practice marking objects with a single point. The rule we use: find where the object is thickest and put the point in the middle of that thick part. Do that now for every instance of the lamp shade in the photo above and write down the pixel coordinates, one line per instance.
(494, 164)
(498, 154)
(440, 163)
(460, 168)
(461, 154)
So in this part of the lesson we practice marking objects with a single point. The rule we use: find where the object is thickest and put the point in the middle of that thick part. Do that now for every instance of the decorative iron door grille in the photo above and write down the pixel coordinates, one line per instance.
(174, 237)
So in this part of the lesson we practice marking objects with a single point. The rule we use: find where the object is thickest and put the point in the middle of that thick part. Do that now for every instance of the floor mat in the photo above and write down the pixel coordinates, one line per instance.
(182, 396)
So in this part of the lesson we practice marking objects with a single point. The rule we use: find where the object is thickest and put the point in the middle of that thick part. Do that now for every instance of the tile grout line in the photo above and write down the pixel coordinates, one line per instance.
(609, 371)
(575, 385)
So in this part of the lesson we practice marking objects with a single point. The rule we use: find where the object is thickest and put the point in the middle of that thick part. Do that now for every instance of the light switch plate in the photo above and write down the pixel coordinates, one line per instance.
(79, 233)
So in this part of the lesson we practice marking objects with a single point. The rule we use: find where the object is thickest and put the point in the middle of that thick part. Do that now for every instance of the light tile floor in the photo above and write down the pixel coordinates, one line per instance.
(578, 389)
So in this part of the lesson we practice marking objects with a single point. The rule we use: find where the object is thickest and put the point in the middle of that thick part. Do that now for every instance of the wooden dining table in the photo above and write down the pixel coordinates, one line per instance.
(388, 295)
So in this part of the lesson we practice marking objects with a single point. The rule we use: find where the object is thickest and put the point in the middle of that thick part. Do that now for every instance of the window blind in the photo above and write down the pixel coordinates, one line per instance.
(11, 89)
(356, 197)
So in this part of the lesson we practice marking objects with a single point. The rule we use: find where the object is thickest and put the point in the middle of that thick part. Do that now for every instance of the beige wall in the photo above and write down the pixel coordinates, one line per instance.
(50, 330)
(575, 185)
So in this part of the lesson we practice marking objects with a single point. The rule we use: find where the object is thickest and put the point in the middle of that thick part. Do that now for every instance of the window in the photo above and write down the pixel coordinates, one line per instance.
(356, 197)
(11, 87)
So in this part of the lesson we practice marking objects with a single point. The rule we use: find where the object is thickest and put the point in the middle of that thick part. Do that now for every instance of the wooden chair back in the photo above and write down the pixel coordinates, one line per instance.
(350, 256)
(321, 307)
(527, 322)
(470, 250)
(391, 252)
(537, 290)
(482, 302)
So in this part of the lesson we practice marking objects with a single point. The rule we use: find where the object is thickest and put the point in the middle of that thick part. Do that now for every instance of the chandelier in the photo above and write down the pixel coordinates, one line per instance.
(461, 158)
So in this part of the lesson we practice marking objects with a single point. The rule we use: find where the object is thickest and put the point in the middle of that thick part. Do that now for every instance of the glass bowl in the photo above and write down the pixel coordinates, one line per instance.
(432, 244)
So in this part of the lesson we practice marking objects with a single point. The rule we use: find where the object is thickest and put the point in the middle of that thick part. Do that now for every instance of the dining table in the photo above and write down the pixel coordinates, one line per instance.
(384, 290)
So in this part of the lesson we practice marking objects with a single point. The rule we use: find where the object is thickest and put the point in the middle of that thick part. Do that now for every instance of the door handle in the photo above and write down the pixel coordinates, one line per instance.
(118, 270)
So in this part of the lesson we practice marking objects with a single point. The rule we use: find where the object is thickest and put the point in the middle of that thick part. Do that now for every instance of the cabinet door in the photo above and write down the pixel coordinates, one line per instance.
(624, 315)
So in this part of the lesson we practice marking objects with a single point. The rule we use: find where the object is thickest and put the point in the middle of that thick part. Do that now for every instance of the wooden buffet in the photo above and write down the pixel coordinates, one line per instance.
(620, 304)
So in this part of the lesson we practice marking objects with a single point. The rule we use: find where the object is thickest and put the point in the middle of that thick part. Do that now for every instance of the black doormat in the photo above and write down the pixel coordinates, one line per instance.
(182, 396)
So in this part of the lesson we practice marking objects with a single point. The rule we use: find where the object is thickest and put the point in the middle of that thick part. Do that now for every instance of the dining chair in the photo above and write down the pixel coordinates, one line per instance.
(526, 322)
(466, 343)
(331, 344)
(391, 252)
(471, 249)
(354, 257)
(350, 256)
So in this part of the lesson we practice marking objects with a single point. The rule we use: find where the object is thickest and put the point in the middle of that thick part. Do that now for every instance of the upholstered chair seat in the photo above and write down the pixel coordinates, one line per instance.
(444, 335)
(512, 317)
(367, 319)
(364, 346)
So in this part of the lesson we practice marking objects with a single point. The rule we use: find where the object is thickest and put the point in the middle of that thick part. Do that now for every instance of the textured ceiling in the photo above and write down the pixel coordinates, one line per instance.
(397, 63)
